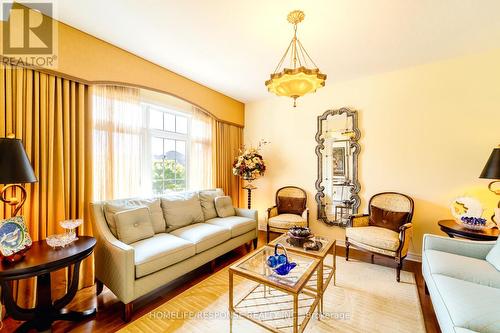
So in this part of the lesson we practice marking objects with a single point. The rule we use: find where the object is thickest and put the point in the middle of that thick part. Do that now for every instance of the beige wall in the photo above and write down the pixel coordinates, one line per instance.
(83, 56)
(427, 131)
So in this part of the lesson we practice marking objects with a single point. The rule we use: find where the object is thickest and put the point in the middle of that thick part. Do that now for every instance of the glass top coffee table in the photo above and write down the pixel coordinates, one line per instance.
(273, 302)
(328, 247)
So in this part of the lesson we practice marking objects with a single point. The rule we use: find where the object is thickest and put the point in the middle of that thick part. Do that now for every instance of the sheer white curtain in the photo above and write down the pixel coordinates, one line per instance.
(119, 136)
(200, 163)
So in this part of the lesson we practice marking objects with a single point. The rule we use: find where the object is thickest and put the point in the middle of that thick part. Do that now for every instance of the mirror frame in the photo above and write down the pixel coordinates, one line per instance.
(356, 148)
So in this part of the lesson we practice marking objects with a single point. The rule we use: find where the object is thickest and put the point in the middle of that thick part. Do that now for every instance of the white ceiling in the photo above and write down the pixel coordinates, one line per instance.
(233, 45)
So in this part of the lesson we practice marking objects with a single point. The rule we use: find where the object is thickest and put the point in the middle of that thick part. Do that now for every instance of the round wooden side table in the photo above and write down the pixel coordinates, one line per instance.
(40, 260)
(453, 229)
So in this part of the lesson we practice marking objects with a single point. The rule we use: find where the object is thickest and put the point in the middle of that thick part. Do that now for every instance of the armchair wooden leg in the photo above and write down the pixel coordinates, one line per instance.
(346, 249)
(398, 270)
(248, 246)
(426, 289)
(267, 235)
(127, 311)
(99, 286)
(255, 243)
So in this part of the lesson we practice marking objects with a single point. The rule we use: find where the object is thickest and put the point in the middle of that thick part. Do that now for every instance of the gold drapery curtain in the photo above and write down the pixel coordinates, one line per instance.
(227, 141)
(50, 115)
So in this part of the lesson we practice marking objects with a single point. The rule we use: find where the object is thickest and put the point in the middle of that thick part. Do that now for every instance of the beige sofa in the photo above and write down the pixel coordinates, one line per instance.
(187, 241)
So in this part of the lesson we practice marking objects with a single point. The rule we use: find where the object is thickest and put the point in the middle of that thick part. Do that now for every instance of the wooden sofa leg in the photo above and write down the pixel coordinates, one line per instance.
(248, 246)
(346, 250)
(373, 259)
(127, 311)
(99, 286)
(255, 243)
(212, 266)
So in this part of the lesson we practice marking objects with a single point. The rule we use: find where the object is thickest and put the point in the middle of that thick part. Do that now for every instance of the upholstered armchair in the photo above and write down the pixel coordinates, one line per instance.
(386, 230)
(290, 210)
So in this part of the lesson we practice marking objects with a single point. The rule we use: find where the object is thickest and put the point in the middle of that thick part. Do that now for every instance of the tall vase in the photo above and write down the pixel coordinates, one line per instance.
(249, 187)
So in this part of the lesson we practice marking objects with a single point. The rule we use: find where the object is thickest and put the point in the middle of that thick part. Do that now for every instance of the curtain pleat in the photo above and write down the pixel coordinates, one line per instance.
(228, 141)
(51, 116)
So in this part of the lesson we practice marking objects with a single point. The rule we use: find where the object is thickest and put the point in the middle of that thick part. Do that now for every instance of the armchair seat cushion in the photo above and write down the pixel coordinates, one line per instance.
(286, 221)
(237, 225)
(478, 271)
(160, 251)
(375, 237)
(203, 235)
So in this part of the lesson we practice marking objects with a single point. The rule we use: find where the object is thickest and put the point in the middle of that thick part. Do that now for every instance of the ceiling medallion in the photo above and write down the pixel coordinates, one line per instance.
(298, 80)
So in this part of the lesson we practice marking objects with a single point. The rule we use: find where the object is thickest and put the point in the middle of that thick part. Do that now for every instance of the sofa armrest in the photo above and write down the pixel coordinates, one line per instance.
(114, 260)
(249, 213)
(462, 247)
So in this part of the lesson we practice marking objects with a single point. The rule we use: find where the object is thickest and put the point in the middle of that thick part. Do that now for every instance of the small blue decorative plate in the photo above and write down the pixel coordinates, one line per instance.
(14, 236)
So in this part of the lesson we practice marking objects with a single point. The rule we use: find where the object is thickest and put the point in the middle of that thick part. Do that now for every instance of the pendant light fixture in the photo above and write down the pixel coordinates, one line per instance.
(303, 76)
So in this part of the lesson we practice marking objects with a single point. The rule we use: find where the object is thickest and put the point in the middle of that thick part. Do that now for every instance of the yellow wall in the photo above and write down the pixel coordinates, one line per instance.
(427, 131)
(86, 57)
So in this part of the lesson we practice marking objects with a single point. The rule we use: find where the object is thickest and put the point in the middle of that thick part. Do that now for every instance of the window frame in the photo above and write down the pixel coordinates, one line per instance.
(151, 133)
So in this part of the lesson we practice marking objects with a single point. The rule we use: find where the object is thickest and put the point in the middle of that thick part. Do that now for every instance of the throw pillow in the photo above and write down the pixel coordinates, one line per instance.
(290, 205)
(387, 219)
(134, 224)
(113, 207)
(207, 200)
(181, 209)
(493, 256)
(224, 206)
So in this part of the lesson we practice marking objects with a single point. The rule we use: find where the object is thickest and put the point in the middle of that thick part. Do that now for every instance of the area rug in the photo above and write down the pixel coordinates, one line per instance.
(366, 298)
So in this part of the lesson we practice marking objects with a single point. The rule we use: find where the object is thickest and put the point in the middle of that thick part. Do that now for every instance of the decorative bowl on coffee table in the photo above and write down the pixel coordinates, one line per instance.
(297, 236)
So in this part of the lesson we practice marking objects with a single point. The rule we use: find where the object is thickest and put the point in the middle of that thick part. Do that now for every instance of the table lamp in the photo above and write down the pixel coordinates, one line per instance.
(15, 169)
(492, 171)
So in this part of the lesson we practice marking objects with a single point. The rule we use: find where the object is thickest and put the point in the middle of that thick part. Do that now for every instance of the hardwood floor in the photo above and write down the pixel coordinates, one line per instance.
(108, 318)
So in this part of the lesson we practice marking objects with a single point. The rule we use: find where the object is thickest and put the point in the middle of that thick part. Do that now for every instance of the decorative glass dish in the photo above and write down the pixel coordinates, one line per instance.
(58, 240)
(473, 223)
(70, 226)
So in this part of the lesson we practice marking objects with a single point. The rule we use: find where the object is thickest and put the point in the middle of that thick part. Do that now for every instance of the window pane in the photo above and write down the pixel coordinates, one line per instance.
(181, 152)
(158, 187)
(169, 149)
(157, 148)
(181, 124)
(169, 122)
(155, 119)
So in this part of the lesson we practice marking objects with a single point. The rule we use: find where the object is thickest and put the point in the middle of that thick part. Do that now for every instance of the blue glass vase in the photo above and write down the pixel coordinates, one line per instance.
(279, 262)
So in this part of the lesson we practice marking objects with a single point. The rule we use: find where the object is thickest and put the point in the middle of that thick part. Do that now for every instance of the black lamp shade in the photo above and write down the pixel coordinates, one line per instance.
(492, 168)
(15, 167)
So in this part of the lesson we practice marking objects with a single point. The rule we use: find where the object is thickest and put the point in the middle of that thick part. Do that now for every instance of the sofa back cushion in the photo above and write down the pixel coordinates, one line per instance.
(181, 209)
(224, 206)
(134, 224)
(386, 219)
(207, 200)
(113, 207)
(493, 256)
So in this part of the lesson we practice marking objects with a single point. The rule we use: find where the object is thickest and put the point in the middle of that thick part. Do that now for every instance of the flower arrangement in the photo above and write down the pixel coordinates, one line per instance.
(249, 165)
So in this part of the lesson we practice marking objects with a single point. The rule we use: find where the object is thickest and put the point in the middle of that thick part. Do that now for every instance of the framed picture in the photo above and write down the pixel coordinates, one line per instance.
(14, 236)
(338, 161)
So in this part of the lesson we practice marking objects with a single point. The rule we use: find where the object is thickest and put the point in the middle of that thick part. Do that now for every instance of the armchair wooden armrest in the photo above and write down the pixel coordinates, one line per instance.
(272, 211)
(405, 233)
(358, 220)
(305, 215)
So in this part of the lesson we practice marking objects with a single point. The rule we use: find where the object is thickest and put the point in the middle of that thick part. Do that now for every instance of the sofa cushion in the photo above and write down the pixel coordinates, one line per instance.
(374, 236)
(115, 206)
(160, 251)
(181, 209)
(203, 235)
(286, 221)
(224, 206)
(470, 306)
(452, 265)
(207, 201)
(236, 224)
(134, 224)
(493, 256)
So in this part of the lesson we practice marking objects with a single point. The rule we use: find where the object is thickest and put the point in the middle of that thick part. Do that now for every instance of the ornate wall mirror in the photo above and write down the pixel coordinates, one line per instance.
(337, 152)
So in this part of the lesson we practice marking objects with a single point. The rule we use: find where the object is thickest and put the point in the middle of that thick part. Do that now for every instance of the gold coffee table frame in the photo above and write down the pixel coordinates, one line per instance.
(300, 287)
(329, 247)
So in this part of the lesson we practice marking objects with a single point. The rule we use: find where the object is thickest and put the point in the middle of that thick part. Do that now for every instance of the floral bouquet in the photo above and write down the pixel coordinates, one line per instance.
(249, 165)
